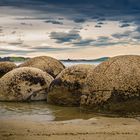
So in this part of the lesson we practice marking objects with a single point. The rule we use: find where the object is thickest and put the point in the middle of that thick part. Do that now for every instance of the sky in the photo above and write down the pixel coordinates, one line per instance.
(74, 29)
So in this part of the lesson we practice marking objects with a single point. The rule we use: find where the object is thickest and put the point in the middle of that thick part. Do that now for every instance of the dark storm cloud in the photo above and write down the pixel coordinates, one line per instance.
(95, 6)
(62, 37)
(103, 3)
(96, 9)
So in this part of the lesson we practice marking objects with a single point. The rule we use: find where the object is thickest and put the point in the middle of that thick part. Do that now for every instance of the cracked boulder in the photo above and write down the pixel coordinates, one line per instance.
(45, 63)
(24, 84)
(114, 86)
(6, 67)
(68, 86)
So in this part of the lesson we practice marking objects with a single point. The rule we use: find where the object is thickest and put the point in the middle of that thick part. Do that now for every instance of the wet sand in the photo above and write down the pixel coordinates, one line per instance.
(102, 128)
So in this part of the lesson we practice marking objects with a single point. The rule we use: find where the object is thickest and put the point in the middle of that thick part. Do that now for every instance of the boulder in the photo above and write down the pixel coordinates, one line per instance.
(6, 67)
(114, 86)
(68, 86)
(24, 84)
(45, 63)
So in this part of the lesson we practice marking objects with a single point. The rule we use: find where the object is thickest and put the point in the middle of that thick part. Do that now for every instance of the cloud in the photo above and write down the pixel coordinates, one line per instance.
(104, 41)
(72, 37)
(62, 37)
(83, 42)
(101, 41)
(32, 18)
(104, 44)
(101, 19)
(15, 43)
(1, 30)
(103, 38)
(9, 52)
(96, 9)
(131, 37)
(97, 26)
(137, 37)
(126, 34)
(79, 20)
(28, 24)
(100, 3)
(54, 22)
(125, 25)
(50, 48)
(138, 29)
(15, 48)
(100, 23)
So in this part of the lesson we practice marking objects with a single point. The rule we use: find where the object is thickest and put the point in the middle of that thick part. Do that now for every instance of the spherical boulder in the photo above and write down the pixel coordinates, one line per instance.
(68, 86)
(6, 67)
(45, 63)
(114, 86)
(24, 84)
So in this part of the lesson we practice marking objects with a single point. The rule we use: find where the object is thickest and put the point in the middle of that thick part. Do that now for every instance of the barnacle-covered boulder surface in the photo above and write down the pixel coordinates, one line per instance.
(24, 84)
(68, 86)
(45, 63)
(114, 86)
(6, 67)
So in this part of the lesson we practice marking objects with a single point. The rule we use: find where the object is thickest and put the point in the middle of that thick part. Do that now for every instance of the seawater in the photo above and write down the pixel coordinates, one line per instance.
(69, 63)
(41, 111)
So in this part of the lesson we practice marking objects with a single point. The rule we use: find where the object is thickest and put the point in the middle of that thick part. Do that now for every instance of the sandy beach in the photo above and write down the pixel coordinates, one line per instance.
(102, 128)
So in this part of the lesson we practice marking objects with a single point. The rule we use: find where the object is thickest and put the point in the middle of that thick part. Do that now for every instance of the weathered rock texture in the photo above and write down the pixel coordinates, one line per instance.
(6, 67)
(114, 86)
(68, 86)
(24, 84)
(45, 63)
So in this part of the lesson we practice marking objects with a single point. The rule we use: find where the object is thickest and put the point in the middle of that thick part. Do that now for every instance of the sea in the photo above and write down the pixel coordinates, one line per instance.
(41, 111)
(71, 63)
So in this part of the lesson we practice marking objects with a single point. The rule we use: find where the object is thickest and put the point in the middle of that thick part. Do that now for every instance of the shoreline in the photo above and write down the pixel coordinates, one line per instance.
(102, 128)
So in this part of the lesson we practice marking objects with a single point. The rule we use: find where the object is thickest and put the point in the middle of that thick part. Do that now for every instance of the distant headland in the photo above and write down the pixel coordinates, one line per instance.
(14, 59)
(21, 59)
